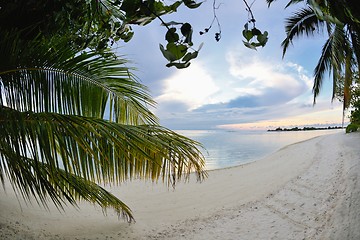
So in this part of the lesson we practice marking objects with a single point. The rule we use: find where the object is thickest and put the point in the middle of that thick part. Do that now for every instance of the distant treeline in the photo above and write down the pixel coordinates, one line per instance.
(302, 129)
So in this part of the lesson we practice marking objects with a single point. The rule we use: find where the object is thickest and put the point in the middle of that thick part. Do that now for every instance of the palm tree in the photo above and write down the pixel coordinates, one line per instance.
(72, 121)
(341, 51)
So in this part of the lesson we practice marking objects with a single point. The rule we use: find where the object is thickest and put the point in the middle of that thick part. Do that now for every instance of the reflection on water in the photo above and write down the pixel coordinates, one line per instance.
(231, 148)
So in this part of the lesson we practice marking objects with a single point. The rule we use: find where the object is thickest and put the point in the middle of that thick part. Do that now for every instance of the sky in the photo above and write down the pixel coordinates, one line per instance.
(229, 86)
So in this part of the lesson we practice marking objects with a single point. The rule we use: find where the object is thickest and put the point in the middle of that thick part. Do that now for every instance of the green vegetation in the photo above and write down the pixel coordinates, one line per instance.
(295, 129)
(341, 52)
(354, 102)
(355, 113)
(72, 115)
(352, 127)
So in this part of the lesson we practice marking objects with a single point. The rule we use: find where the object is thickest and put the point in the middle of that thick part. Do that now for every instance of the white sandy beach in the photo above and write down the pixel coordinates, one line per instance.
(308, 190)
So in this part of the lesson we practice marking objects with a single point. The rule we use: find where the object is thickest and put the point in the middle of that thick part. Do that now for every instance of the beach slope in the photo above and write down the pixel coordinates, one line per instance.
(307, 190)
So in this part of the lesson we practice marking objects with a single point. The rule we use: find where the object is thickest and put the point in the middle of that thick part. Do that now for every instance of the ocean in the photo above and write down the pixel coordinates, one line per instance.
(231, 148)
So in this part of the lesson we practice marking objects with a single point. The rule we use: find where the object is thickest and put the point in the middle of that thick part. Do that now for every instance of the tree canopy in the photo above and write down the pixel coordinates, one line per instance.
(73, 116)
(98, 24)
(341, 52)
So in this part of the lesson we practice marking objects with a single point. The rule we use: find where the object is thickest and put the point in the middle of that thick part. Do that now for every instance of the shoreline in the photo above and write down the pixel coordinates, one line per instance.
(238, 149)
(273, 197)
(269, 154)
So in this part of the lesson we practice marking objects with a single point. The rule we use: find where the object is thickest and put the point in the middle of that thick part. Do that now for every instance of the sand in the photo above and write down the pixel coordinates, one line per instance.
(307, 190)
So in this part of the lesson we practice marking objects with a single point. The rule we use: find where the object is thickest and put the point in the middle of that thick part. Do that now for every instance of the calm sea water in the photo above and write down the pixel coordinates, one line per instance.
(232, 148)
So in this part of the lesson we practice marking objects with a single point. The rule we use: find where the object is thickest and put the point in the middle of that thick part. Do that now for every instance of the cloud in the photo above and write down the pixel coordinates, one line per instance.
(227, 83)
(272, 96)
(254, 82)
(193, 87)
(292, 115)
(261, 77)
(250, 89)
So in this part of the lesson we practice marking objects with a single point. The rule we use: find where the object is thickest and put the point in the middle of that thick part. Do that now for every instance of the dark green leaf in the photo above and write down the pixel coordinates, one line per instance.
(171, 35)
(126, 37)
(247, 34)
(177, 50)
(171, 23)
(186, 29)
(255, 31)
(190, 56)
(175, 6)
(262, 38)
(167, 54)
(192, 4)
(130, 6)
(249, 45)
(178, 65)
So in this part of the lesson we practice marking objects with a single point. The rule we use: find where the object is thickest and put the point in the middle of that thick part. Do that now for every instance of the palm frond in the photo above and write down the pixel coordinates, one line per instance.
(331, 59)
(64, 156)
(336, 77)
(41, 181)
(71, 120)
(53, 81)
(269, 2)
(291, 2)
(99, 150)
(354, 32)
(304, 21)
(347, 80)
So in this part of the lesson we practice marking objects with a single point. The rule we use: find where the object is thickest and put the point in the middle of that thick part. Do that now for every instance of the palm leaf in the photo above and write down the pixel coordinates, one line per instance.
(291, 2)
(354, 32)
(46, 153)
(304, 21)
(72, 120)
(341, 52)
(347, 80)
(99, 150)
(41, 181)
(51, 80)
(331, 59)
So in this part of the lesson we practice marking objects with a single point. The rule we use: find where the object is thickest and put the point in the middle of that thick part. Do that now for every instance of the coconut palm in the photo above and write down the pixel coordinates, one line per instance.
(71, 122)
(340, 53)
